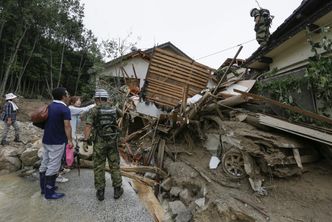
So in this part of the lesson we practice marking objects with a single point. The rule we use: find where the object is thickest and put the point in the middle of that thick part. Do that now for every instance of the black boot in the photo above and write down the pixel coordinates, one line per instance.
(50, 188)
(118, 191)
(100, 194)
(17, 139)
(4, 142)
(42, 182)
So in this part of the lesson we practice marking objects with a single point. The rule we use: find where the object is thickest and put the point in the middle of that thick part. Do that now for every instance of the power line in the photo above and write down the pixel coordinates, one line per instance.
(258, 4)
(226, 49)
(232, 47)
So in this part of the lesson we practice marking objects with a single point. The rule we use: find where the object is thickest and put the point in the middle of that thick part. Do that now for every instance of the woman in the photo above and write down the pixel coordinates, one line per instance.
(75, 111)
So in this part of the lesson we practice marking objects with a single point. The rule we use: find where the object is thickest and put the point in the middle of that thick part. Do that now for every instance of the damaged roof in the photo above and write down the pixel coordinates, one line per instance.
(308, 12)
(146, 54)
(173, 77)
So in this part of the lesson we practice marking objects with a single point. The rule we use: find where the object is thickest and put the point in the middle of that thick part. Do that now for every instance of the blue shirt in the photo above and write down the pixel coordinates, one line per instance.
(54, 132)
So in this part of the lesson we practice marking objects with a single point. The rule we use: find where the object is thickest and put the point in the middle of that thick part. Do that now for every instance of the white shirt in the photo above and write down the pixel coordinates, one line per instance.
(75, 113)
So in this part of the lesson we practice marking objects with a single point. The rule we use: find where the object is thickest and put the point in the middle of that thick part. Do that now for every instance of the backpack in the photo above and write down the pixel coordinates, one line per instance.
(107, 127)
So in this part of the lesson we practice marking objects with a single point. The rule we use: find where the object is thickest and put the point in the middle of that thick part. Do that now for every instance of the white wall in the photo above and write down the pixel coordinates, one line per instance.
(295, 51)
(141, 68)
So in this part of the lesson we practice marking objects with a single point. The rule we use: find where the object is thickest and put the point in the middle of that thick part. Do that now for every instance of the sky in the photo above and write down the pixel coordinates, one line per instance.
(208, 31)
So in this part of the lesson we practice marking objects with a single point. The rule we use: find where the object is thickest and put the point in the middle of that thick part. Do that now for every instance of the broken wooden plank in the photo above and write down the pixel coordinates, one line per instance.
(286, 106)
(295, 129)
(161, 151)
(145, 169)
(253, 205)
(134, 71)
(297, 158)
(224, 75)
(146, 194)
(89, 164)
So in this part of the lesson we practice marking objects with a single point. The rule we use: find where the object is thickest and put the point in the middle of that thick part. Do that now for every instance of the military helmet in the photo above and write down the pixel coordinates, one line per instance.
(254, 12)
(101, 93)
(265, 12)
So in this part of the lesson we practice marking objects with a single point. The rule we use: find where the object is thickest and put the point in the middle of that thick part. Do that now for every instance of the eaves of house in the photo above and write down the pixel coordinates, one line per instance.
(146, 54)
(304, 16)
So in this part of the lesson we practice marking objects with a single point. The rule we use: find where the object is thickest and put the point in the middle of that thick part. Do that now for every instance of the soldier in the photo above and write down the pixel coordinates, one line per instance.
(102, 122)
(263, 21)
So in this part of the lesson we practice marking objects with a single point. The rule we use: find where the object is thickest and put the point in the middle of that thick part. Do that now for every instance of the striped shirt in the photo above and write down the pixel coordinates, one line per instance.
(8, 112)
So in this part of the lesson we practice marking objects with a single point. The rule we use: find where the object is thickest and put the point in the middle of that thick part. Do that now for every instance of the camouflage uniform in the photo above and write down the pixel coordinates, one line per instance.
(262, 31)
(103, 149)
(263, 22)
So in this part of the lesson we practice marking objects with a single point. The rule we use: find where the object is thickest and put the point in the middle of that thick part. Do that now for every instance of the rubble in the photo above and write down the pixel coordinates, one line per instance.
(171, 138)
(218, 120)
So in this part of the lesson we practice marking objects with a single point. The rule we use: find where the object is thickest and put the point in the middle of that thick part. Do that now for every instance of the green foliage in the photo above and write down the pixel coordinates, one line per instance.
(55, 47)
(319, 70)
(318, 78)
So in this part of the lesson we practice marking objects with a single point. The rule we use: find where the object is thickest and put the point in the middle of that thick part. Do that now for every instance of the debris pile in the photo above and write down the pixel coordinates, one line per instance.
(233, 127)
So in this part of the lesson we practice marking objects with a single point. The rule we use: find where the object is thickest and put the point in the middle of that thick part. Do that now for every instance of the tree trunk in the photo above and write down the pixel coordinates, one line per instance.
(18, 86)
(80, 68)
(11, 62)
(61, 64)
(1, 28)
(24, 86)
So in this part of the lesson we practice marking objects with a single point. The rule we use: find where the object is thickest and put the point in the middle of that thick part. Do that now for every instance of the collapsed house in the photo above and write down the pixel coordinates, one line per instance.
(181, 104)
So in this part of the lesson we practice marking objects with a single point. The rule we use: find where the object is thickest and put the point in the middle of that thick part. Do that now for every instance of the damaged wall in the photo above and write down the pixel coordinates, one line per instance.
(172, 78)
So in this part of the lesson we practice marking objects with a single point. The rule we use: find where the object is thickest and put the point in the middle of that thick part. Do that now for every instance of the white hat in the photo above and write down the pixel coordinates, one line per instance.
(10, 96)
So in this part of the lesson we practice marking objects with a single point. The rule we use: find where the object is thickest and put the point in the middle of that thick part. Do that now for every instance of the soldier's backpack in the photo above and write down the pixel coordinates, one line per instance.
(106, 123)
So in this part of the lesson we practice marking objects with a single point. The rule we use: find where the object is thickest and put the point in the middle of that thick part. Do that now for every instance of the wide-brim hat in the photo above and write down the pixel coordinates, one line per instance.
(10, 96)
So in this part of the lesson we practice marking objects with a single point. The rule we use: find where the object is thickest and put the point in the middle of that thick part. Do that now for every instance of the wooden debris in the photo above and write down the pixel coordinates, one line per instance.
(145, 169)
(137, 133)
(297, 158)
(198, 170)
(229, 66)
(146, 194)
(295, 129)
(126, 172)
(161, 151)
(253, 205)
(286, 106)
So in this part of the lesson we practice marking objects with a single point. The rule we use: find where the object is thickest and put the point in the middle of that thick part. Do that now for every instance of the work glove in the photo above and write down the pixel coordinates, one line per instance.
(85, 146)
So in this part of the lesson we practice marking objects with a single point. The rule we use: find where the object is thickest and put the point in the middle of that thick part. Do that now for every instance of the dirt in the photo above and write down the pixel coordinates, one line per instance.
(300, 198)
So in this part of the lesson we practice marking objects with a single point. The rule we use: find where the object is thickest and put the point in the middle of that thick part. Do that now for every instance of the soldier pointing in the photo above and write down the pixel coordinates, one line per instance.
(101, 122)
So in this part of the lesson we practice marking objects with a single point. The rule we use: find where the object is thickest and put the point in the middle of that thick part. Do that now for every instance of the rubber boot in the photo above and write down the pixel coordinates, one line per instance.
(50, 188)
(118, 191)
(100, 194)
(4, 142)
(42, 181)
(17, 139)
